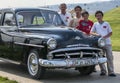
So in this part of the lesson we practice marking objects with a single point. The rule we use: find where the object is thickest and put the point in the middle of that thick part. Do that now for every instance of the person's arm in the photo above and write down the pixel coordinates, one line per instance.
(94, 33)
(93, 30)
(71, 23)
(108, 35)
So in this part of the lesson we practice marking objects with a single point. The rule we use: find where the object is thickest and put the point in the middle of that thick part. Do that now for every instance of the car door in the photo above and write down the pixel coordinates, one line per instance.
(6, 33)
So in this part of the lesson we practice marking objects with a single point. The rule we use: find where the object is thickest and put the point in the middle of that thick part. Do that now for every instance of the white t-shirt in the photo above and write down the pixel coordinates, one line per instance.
(76, 22)
(102, 29)
(66, 18)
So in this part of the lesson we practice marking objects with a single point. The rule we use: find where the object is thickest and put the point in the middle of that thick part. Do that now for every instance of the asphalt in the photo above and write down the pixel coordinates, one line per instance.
(20, 74)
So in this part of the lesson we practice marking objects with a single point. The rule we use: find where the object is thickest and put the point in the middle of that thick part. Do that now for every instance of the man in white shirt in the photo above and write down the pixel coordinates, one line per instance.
(66, 17)
(103, 29)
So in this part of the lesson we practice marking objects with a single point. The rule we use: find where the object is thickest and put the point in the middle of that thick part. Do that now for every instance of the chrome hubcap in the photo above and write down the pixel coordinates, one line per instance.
(33, 64)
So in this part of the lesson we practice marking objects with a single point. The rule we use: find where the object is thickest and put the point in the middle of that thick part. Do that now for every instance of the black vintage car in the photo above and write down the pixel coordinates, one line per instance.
(38, 38)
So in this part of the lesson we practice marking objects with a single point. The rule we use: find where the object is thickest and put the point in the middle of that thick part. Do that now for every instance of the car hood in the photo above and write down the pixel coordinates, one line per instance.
(64, 36)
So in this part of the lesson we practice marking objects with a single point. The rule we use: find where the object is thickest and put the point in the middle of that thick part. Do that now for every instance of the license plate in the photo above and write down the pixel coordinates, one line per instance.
(86, 62)
(82, 62)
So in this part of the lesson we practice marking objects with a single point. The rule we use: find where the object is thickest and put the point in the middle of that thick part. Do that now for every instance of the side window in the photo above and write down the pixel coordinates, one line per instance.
(9, 20)
(38, 20)
(20, 19)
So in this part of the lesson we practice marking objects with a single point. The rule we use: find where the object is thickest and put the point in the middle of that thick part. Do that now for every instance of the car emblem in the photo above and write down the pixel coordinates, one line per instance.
(77, 38)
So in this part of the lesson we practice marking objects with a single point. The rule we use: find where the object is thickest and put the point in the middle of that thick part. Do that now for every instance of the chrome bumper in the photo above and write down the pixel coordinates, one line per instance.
(69, 63)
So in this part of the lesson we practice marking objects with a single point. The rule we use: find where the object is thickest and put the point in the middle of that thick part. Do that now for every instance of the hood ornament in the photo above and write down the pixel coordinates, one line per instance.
(77, 38)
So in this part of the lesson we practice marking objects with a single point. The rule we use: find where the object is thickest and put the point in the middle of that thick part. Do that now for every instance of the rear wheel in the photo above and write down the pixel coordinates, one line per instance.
(34, 69)
(86, 70)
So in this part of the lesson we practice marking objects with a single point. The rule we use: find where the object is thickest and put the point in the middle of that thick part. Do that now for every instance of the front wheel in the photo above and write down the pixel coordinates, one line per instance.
(34, 69)
(86, 70)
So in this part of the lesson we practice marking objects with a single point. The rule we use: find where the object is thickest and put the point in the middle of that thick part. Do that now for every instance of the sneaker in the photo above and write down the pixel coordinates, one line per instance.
(112, 75)
(102, 74)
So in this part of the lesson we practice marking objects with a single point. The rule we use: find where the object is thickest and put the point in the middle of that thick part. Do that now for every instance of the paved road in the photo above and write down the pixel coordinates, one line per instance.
(19, 73)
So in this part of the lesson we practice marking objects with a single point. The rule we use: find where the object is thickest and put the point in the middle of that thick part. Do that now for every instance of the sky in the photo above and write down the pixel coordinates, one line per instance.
(36, 3)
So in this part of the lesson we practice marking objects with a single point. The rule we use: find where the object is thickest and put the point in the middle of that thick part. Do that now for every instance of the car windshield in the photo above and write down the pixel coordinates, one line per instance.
(37, 18)
(52, 17)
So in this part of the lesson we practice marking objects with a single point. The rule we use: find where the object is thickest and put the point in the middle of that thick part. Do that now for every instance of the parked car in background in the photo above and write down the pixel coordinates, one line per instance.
(38, 38)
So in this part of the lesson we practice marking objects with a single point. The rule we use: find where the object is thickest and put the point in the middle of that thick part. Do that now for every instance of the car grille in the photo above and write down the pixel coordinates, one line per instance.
(75, 54)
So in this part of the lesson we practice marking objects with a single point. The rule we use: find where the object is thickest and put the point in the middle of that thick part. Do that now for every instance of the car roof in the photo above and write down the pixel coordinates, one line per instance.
(17, 9)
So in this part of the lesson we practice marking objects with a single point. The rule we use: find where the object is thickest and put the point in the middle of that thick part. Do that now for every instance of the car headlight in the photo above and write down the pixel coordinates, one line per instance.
(101, 42)
(51, 43)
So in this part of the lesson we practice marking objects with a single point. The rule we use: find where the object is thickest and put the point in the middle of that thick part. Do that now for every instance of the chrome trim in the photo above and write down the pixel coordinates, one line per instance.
(86, 53)
(76, 53)
(77, 45)
(71, 63)
(33, 45)
(73, 49)
(65, 50)
(81, 54)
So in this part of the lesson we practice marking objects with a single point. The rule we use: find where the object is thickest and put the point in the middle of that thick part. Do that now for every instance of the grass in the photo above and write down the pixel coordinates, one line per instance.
(6, 80)
(113, 17)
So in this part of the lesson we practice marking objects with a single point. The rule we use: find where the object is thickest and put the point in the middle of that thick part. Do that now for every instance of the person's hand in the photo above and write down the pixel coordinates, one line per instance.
(84, 33)
(104, 37)
(98, 35)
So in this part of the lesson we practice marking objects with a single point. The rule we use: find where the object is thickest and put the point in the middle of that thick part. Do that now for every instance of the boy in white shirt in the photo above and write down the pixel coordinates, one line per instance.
(66, 17)
(103, 29)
